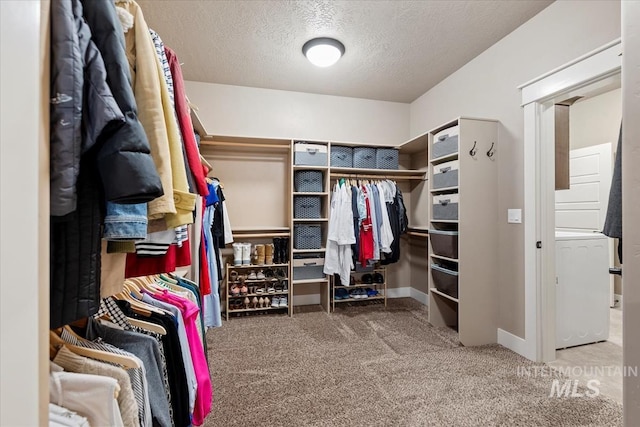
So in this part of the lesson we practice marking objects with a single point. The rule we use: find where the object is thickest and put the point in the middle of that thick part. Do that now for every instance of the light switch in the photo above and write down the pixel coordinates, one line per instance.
(514, 216)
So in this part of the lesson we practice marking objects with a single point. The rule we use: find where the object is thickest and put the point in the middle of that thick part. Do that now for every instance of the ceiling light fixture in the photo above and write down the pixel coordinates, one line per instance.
(323, 51)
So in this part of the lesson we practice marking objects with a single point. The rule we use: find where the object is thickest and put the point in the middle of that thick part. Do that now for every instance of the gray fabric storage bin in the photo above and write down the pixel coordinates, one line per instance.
(445, 280)
(341, 156)
(446, 174)
(387, 158)
(308, 181)
(309, 154)
(445, 207)
(307, 236)
(307, 207)
(444, 243)
(308, 267)
(364, 157)
(445, 142)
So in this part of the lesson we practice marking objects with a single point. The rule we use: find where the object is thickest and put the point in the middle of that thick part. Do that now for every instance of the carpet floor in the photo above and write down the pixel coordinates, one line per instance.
(371, 366)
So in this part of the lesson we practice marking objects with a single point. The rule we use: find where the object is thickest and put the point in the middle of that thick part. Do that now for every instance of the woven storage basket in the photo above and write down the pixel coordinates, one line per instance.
(308, 181)
(387, 158)
(307, 207)
(364, 157)
(341, 156)
(307, 236)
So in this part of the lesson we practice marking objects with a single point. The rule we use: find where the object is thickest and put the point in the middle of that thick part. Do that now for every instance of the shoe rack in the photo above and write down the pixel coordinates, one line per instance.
(370, 285)
(257, 288)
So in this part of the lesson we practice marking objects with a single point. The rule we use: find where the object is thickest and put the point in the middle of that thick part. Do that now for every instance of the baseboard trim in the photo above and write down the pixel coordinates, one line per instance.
(420, 296)
(512, 342)
(404, 292)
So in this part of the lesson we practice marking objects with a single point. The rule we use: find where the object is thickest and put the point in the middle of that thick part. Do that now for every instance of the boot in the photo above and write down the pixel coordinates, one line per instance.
(284, 257)
(276, 250)
(268, 253)
(237, 253)
(246, 253)
(260, 254)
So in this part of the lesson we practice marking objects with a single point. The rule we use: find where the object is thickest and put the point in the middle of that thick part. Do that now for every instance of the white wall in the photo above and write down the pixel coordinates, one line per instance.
(253, 112)
(596, 120)
(487, 87)
(24, 216)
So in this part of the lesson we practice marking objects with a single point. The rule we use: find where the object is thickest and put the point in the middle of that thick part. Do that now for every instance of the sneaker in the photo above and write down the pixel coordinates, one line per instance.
(283, 302)
(260, 275)
(367, 279)
(252, 275)
(341, 294)
(378, 278)
(353, 294)
(275, 302)
(372, 292)
(363, 293)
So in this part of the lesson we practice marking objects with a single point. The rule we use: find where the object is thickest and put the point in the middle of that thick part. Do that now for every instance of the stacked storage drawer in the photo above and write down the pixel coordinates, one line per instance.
(307, 236)
(445, 207)
(445, 279)
(446, 175)
(308, 181)
(307, 267)
(444, 243)
(445, 142)
(309, 154)
(307, 207)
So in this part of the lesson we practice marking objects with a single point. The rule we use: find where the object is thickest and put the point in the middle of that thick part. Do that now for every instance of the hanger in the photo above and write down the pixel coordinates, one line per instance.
(147, 326)
(126, 362)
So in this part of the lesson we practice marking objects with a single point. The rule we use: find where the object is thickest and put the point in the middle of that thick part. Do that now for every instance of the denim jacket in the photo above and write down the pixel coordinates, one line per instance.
(125, 222)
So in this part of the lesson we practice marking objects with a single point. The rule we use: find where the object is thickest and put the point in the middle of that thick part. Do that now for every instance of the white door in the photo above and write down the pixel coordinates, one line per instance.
(583, 207)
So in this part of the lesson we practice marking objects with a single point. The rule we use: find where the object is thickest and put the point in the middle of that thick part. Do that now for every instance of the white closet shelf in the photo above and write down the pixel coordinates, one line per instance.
(307, 251)
(310, 193)
(378, 297)
(307, 281)
(442, 159)
(443, 295)
(444, 190)
(242, 233)
(312, 168)
(310, 219)
(445, 221)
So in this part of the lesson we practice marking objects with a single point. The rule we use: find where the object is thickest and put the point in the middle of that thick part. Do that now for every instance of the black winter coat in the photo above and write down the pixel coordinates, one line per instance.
(128, 172)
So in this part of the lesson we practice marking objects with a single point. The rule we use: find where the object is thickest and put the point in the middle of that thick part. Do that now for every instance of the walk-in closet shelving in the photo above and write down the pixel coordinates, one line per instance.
(309, 216)
(462, 248)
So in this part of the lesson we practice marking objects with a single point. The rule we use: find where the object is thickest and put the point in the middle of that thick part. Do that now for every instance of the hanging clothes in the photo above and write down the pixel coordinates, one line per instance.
(613, 221)
(340, 236)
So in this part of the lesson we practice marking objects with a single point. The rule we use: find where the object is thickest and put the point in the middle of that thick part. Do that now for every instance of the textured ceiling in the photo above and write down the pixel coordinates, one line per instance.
(395, 50)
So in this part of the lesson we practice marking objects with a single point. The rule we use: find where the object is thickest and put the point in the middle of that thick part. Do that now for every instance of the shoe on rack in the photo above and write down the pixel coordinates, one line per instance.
(275, 302)
(363, 294)
(233, 276)
(284, 302)
(352, 281)
(244, 289)
(237, 254)
(260, 254)
(260, 275)
(235, 290)
(341, 294)
(267, 302)
(254, 301)
(371, 292)
(276, 250)
(285, 285)
(246, 253)
(252, 275)
(261, 302)
(268, 273)
(268, 253)
(270, 289)
(378, 278)
(367, 279)
(352, 294)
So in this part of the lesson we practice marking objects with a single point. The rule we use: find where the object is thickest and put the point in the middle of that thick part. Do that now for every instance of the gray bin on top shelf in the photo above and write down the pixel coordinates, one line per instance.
(307, 154)
(386, 158)
(341, 156)
(445, 142)
(364, 157)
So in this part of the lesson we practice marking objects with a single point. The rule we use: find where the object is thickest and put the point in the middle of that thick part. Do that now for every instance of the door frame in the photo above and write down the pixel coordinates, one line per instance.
(539, 188)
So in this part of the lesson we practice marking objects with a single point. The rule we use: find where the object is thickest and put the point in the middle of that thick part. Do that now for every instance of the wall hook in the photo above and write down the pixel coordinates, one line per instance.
(473, 150)
(490, 153)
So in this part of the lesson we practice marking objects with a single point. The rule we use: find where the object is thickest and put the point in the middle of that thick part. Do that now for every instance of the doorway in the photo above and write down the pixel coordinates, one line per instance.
(588, 314)
(597, 69)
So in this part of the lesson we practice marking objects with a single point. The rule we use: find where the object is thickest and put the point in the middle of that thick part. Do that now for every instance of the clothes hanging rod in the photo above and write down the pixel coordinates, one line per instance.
(378, 177)
(243, 144)
(242, 236)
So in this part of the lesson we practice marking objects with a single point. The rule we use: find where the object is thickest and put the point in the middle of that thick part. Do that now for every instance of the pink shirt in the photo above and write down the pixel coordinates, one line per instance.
(205, 392)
